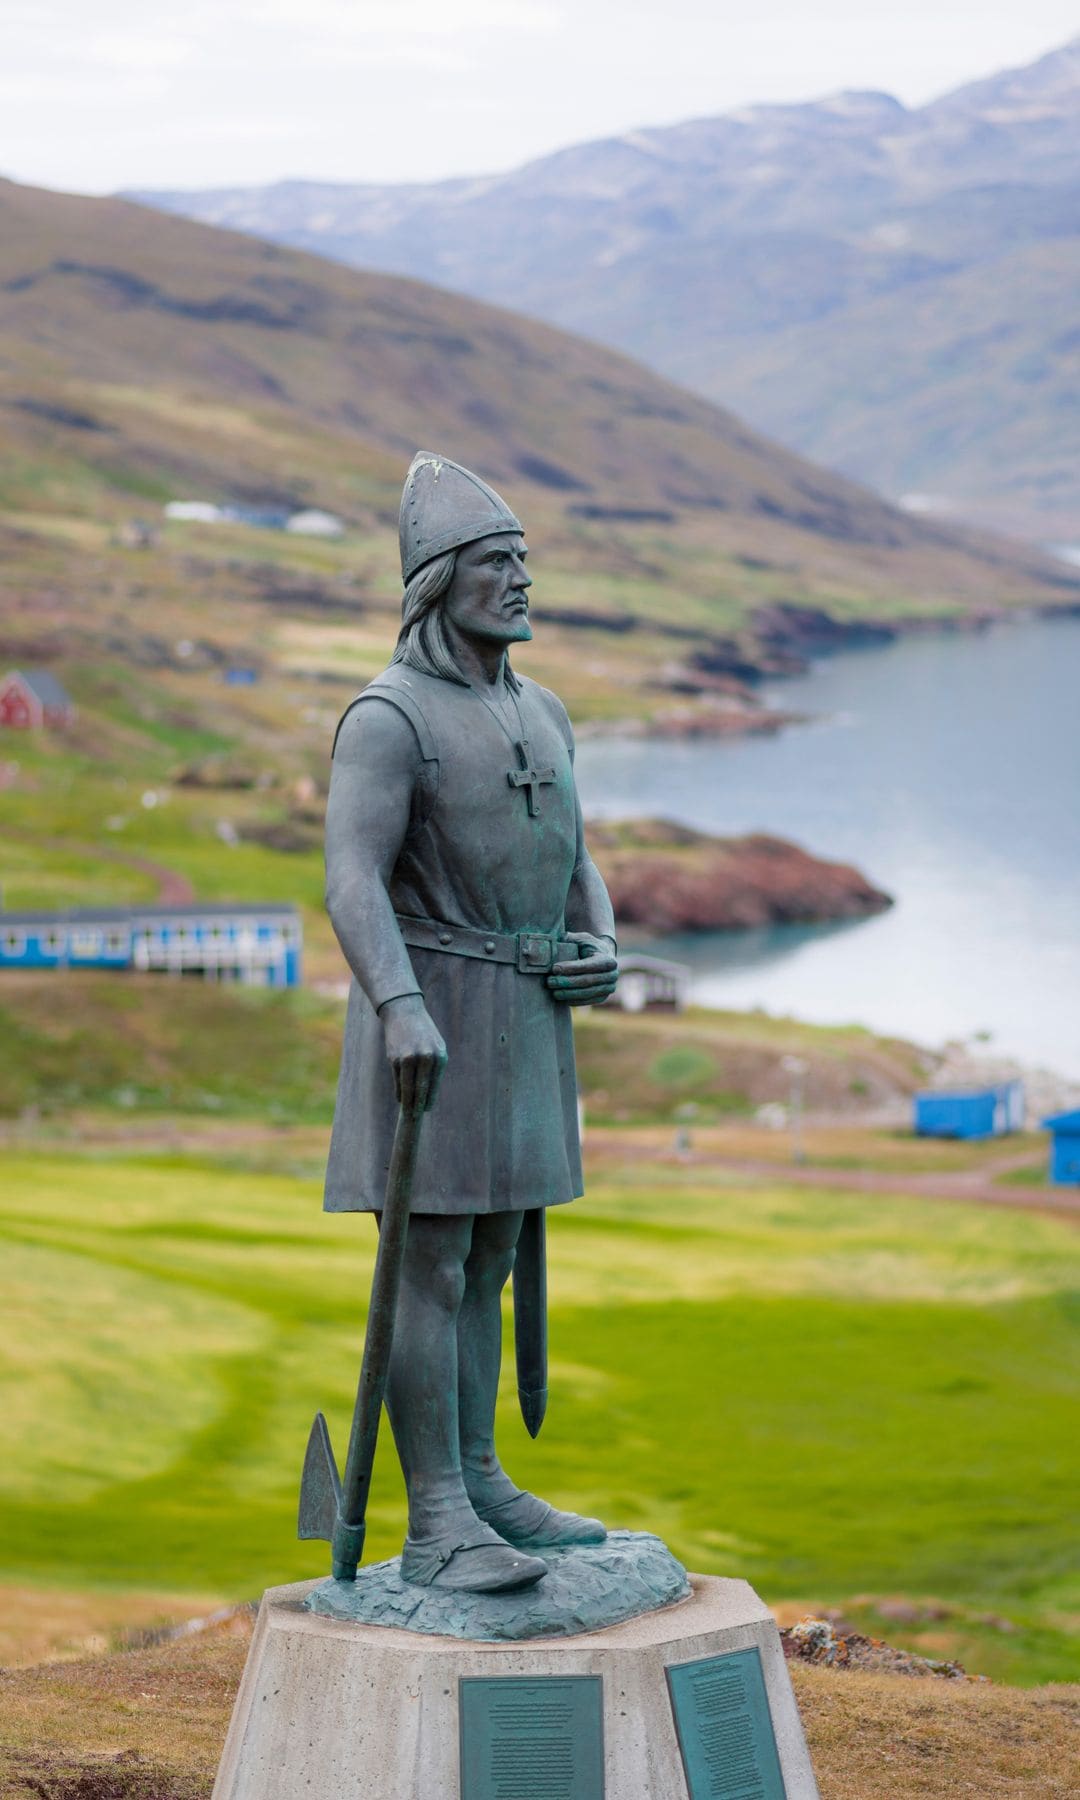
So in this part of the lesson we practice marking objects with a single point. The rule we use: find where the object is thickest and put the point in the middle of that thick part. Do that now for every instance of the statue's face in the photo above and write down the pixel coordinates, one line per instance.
(488, 597)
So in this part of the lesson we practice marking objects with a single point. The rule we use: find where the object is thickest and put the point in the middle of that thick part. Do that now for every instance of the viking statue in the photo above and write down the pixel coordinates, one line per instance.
(472, 918)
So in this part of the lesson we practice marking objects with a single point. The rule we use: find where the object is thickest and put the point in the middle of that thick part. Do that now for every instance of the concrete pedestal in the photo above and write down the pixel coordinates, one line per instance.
(343, 1711)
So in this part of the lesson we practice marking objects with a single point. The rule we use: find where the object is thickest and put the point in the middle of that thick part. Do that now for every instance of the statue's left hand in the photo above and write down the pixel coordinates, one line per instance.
(591, 977)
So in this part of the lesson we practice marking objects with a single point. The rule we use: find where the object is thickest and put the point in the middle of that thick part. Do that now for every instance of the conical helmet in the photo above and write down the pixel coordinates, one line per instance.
(444, 506)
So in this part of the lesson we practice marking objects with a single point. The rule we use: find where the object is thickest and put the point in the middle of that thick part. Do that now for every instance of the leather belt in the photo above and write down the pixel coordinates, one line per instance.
(530, 952)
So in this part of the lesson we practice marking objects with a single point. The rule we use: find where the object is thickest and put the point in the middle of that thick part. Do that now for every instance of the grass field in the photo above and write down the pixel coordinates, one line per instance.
(844, 1399)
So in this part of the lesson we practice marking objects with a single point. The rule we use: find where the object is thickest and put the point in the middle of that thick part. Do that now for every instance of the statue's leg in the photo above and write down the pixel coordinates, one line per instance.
(447, 1546)
(520, 1517)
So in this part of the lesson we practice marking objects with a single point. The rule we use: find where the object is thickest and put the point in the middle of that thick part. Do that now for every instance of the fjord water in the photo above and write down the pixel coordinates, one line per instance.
(948, 769)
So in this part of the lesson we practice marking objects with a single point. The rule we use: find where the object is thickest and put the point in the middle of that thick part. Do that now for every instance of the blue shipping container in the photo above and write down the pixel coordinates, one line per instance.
(1064, 1148)
(976, 1113)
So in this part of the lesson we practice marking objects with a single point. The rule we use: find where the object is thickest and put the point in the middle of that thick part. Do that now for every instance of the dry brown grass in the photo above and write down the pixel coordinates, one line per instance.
(149, 1725)
(39, 1624)
(888, 1737)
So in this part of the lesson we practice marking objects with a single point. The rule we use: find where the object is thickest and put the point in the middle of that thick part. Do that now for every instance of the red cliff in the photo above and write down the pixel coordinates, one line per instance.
(665, 877)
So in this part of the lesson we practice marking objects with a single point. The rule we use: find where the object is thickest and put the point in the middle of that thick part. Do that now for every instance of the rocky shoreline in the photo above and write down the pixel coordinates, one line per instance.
(711, 685)
(665, 877)
(737, 716)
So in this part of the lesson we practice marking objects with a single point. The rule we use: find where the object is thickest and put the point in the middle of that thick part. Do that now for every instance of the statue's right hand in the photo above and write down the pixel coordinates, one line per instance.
(415, 1049)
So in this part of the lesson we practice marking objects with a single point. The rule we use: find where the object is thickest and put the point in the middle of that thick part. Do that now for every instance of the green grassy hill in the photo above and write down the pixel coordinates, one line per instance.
(151, 1045)
(144, 357)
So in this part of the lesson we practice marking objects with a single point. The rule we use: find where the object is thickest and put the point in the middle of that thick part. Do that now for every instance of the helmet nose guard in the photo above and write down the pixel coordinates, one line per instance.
(444, 506)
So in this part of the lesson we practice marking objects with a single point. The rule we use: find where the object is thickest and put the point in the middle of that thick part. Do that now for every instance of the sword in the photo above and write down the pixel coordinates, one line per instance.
(331, 1506)
(530, 1318)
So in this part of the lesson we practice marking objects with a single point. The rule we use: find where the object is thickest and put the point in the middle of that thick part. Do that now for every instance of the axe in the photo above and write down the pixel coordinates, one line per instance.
(331, 1506)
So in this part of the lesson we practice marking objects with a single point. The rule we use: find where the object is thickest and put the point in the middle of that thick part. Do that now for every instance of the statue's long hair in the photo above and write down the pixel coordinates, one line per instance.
(422, 641)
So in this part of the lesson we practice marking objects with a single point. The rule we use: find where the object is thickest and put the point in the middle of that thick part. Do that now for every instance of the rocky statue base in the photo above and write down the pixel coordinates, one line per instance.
(690, 1700)
(586, 1588)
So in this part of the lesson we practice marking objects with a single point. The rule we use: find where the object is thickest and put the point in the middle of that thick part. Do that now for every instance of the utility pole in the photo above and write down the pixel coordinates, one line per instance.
(796, 1068)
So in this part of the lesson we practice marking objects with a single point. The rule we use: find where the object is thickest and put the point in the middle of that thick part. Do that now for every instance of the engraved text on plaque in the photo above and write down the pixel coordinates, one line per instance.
(725, 1728)
(532, 1739)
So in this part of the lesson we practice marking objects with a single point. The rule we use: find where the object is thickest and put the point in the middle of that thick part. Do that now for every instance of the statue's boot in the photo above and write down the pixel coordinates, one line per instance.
(473, 1559)
(531, 1524)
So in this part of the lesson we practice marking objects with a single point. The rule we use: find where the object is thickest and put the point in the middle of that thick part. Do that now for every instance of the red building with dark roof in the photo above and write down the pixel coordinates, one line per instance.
(30, 697)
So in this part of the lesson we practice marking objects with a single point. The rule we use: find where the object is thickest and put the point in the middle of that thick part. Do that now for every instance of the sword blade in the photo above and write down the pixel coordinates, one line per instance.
(530, 1318)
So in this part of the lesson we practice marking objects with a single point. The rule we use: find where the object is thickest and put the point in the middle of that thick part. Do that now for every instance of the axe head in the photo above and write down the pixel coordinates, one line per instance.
(320, 1486)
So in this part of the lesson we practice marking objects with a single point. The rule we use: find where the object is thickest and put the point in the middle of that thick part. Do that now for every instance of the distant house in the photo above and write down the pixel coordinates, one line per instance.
(261, 946)
(30, 697)
(313, 523)
(971, 1113)
(307, 522)
(1064, 1148)
(649, 981)
(263, 518)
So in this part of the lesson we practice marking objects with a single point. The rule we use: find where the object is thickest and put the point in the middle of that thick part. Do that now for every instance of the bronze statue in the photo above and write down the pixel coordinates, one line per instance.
(472, 917)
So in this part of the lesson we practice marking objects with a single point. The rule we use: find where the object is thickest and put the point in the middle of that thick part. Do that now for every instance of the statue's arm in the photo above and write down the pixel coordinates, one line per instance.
(376, 767)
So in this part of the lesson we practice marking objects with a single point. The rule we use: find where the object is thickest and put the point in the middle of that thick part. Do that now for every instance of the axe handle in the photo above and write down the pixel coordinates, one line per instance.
(348, 1540)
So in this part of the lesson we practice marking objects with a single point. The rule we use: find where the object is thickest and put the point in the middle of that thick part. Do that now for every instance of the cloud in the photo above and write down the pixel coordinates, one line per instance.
(123, 51)
(126, 93)
(52, 44)
(419, 19)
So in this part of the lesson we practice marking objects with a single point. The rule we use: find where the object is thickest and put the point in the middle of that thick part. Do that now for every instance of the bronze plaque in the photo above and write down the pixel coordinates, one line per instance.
(725, 1728)
(525, 1738)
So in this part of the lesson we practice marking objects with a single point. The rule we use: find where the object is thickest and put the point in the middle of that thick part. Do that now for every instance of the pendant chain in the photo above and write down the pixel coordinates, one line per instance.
(498, 718)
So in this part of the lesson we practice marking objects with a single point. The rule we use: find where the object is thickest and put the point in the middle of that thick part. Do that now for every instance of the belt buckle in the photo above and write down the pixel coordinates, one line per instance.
(536, 953)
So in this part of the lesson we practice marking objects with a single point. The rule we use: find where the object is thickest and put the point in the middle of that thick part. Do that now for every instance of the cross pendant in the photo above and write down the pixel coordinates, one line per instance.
(529, 777)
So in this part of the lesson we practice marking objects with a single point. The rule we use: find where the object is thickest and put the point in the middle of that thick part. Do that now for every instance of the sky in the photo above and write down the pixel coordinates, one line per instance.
(136, 93)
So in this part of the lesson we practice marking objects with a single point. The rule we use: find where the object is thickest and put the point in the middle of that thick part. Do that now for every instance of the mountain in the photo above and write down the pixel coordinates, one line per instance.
(145, 358)
(889, 291)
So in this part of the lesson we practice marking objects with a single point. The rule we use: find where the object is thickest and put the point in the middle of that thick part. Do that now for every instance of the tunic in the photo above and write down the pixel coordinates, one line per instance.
(423, 824)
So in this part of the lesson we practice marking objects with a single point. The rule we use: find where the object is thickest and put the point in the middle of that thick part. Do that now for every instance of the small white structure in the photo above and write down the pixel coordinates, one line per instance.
(313, 523)
(194, 512)
(650, 981)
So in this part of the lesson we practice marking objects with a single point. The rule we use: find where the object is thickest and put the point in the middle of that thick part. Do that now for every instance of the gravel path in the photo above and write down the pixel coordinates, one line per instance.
(978, 1188)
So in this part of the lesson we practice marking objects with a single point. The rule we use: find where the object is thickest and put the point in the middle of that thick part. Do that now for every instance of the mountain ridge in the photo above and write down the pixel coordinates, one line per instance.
(707, 248)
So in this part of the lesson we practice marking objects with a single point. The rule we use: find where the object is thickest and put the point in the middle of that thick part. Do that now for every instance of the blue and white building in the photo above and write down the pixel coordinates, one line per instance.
(261, 946)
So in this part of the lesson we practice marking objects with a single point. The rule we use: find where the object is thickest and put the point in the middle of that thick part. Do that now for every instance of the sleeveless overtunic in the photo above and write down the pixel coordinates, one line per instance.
(503, 1133)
